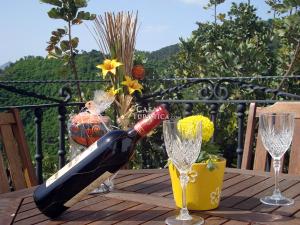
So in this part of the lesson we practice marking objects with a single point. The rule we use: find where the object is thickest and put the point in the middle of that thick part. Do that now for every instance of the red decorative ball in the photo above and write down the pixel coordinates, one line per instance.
(86, 128)
(138, 72)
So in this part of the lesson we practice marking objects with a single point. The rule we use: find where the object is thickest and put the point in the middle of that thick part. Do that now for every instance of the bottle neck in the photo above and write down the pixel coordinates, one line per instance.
(144, 126)
(134, 134)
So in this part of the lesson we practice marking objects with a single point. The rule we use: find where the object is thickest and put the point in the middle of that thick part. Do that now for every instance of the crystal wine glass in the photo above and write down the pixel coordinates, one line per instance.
(183, 144)
(276, 132)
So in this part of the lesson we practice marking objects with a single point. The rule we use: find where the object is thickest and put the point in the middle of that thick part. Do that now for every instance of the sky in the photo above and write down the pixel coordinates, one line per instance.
(26, 27)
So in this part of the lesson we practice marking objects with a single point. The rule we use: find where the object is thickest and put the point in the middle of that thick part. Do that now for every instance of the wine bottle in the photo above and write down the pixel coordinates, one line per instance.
(93, 166)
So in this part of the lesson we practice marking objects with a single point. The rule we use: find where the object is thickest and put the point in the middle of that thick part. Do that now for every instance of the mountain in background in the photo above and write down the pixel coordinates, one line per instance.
(160, 55)
(164, 53)
(5, 65)
(40, 68)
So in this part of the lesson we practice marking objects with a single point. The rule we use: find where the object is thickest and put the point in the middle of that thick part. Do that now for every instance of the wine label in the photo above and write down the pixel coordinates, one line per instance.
(71, 164)
(88, 189)
(147, 124)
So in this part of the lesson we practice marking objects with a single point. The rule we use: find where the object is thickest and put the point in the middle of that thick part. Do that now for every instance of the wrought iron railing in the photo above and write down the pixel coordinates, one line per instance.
(184, 96)
(218, 91)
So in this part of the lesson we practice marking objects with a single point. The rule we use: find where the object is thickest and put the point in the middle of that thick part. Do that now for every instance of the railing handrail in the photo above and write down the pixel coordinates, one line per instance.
(221, 78)
(222, 101)
(49, 105)
(148, 79)
(50, 81)
(52, 105)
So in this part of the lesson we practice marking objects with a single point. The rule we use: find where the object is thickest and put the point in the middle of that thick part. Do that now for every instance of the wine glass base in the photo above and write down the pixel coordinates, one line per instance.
(280, 201)
(104, 188)
(196, 220)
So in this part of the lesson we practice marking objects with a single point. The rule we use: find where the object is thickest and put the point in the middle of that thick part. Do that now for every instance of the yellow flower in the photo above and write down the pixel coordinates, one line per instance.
(207, 126)
(132, 85)
(112, 91)
(109, 66)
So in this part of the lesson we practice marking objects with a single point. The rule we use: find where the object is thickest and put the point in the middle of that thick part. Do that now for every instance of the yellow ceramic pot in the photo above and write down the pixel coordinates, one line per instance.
(204, 192)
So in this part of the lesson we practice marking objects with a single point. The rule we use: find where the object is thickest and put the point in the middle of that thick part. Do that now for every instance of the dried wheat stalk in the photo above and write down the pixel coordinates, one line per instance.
(116, 35)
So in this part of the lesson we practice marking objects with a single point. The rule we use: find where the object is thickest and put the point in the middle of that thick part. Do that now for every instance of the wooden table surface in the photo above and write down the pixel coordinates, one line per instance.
(145, 197)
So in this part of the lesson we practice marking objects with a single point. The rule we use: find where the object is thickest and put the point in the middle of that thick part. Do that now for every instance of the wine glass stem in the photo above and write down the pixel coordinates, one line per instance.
(276, 166)
(184, 213)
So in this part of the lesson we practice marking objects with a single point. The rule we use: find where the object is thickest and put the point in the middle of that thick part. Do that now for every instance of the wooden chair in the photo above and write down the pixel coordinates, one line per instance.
(16, 169)
(257, 158)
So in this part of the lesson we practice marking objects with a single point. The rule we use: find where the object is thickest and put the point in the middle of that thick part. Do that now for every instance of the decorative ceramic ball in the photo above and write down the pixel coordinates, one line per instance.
(138, 72)
(86, 128)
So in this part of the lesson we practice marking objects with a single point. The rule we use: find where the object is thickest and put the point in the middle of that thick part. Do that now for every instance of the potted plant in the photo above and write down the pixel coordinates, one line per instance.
(206, 176)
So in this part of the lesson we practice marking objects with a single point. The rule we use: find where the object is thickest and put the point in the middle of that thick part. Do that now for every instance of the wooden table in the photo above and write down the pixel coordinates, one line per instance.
(145, 197)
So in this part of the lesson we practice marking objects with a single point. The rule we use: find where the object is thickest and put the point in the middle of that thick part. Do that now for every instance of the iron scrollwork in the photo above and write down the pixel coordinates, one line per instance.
(217, 89)
(65, 92)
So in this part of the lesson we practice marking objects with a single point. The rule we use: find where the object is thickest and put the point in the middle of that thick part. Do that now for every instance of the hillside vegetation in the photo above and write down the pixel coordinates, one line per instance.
(38, 68)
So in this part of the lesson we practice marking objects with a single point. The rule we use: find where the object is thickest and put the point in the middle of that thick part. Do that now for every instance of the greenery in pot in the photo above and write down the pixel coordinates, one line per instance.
(210, 152)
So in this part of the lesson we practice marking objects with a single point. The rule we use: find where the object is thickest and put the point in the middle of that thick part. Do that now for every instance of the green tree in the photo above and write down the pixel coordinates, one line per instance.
(287, 28)
(241, 45)
(62, 44)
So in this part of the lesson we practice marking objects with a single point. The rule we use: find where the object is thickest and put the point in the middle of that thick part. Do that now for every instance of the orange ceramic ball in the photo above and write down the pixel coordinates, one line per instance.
(86, 128)
(138, 72)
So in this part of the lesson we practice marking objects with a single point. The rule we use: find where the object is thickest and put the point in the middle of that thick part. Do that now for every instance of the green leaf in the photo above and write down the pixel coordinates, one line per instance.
(80, 3)
(61, 31)
(85, 15)
(64, 45)
(221, 17)
(74, 42)
(71, 11)
(93, 16)
(211, 165)
(52, 2)
(80, 15)
(55, 13)
(58, 51)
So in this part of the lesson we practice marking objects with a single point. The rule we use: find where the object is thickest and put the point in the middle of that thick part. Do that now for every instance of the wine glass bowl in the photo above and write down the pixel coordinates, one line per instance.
(183, 150)
(183, 144)
(276, 131)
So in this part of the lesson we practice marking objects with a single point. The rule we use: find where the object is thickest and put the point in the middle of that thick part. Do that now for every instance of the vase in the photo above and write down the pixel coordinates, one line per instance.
(204, 189)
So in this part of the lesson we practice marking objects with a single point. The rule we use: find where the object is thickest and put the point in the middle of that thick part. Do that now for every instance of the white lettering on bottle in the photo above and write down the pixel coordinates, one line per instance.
(71, 164)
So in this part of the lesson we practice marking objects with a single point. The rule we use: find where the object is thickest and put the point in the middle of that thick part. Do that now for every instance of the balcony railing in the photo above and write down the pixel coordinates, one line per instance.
(217, 97)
